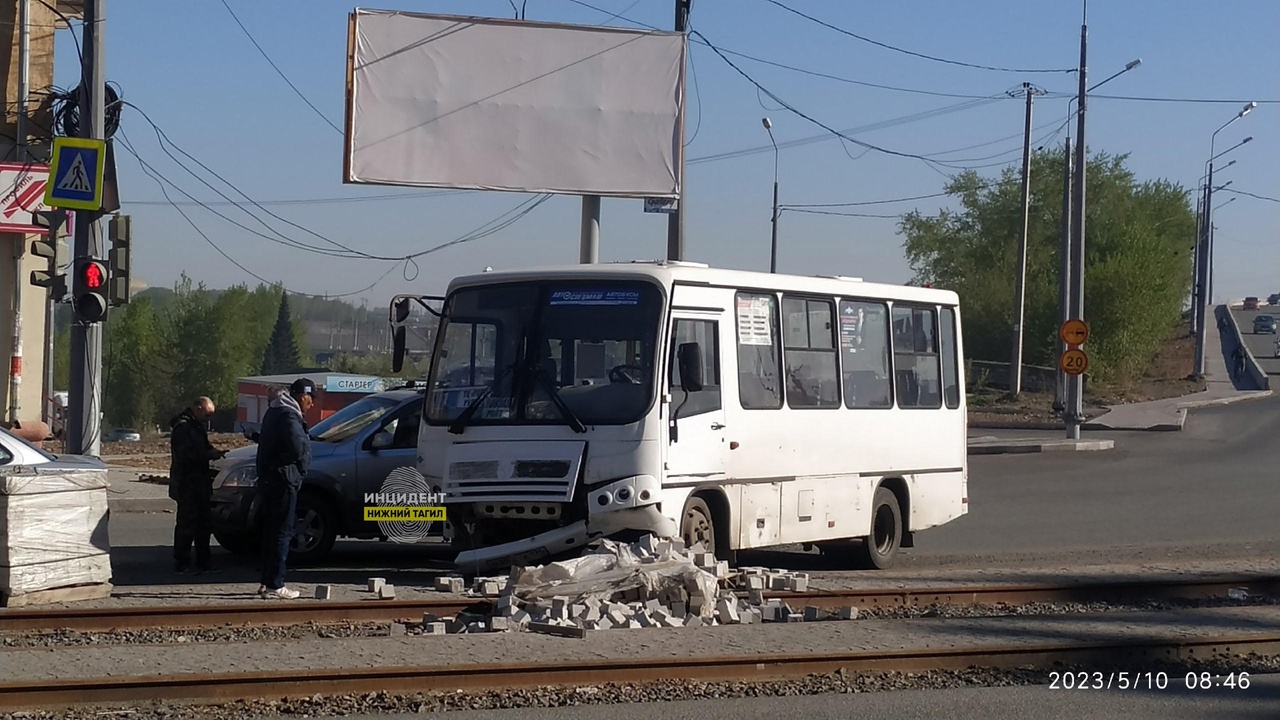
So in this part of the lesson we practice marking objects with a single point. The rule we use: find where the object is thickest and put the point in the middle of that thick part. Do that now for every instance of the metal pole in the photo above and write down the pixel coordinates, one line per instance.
(46, 389)
(24, 76)
(773, 245)
(15, 358)
(1020, 291)
(590, 248)
(1064, 271)
(1202, 281)
(675, 221)
(1195, 264)
(84, 418)
(1075, 412)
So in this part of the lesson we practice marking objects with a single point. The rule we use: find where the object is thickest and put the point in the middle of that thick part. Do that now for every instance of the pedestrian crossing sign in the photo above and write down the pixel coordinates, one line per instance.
(75, 174)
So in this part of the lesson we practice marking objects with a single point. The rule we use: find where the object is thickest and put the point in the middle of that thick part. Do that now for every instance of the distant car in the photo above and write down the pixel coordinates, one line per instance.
(1264, 324)
(1251, 303)
(123, 435)
(1273, 299)
(353, 451)
(14, 452)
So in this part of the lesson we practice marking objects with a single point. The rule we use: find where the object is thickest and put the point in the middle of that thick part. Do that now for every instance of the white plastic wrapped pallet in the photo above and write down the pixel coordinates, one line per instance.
(53, 529)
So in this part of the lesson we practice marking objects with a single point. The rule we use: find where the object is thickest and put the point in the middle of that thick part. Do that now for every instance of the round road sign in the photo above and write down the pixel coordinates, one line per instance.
(1074, 332)
(1073, 362)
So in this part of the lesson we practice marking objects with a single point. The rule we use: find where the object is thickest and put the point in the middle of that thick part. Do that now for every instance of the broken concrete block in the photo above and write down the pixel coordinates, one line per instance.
(324, 592)
(813, 613)
(755, 582)
(693, 621)
(442, 583)
(398, 629)
(756, 616)
(499, 624)
(520, 617)
(755, 597)
(633, 624)
(704, 560)
(568, 631)
(697, 548)
(649, 544)
(618, 615)
(653, 605)
(505, 605)
(721, 570)
(430, 618)
(848, 612)
(795, 617)
(476, 627)
(727, 612)
(434, 628)
(387, 592)
(676, 545)
(679, 608)
(798, 582)
(775, 612)
(376, 583)
(671, 621)
(454, 626)
(490, 587)
(778, 582)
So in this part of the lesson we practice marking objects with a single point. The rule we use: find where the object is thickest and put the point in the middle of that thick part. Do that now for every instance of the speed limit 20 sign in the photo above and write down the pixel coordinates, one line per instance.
(1073, 362)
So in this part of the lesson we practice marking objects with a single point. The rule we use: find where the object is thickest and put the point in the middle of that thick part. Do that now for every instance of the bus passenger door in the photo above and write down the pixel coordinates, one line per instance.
(695, 420)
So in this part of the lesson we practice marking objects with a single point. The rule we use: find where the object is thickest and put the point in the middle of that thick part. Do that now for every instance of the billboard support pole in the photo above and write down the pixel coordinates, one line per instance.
(590, 249)
(675, 221)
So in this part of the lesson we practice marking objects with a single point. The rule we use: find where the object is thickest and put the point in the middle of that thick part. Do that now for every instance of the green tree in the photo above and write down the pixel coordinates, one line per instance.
(134, 378)
(281, 354)
(1137, 257)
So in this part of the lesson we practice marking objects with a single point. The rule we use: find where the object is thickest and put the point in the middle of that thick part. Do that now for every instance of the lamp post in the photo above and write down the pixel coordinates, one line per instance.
(773, 245)
(1205, 253)
(1064, 252)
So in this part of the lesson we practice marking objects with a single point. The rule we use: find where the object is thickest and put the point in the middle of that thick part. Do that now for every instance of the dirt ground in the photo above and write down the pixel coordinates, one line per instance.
(152, 452)
(1167, 377)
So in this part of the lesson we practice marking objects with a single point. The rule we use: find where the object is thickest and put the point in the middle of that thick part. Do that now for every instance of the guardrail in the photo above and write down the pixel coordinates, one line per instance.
(1252, 368)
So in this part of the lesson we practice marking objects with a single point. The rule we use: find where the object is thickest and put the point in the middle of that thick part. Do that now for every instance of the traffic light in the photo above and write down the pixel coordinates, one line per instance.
(90, 290)
(49, 248)
(121, 235)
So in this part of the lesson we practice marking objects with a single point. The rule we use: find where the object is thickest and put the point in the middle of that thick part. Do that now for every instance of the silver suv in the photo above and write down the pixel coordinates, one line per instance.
(352, 453)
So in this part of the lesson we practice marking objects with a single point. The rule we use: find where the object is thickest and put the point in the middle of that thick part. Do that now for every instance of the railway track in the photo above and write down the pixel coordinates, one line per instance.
(300, 613)
(753, 668)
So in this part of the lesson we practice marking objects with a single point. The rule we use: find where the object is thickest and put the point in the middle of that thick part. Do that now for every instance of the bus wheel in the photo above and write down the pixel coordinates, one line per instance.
(879, 548)
(698, 526)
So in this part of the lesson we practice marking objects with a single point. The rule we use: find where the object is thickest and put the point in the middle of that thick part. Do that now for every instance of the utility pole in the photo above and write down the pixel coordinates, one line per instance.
(84, 432)
(24, 76)
(1202, 276)
(1075, 396)
(1020, 280)
(1195, 262)
(1064, 272)
(675, 221)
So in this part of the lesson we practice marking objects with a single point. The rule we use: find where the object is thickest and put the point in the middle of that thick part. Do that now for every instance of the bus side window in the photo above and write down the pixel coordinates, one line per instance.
(810, 353)
(915, 357)
(950, 363)
(864, 347)
(706, 334)
(759, 352)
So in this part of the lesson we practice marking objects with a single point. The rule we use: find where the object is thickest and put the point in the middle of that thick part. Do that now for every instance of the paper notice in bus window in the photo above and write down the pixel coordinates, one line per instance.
(755, 321)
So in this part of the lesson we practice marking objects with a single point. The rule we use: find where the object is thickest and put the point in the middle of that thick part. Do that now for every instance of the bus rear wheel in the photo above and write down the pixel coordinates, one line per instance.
(879, 548)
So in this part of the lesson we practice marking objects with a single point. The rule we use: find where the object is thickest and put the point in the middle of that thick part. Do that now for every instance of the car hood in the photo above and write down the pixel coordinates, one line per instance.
(249, 453)
(72, 462)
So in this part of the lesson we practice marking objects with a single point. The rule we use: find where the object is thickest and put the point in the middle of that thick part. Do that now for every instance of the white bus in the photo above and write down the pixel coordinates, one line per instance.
(736, 409)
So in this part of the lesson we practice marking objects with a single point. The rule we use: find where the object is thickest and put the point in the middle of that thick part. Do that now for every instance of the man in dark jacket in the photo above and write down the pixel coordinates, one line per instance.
(284, 455)
(191, 485)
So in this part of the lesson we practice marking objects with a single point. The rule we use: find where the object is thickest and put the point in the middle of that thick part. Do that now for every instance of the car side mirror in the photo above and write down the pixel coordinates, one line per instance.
(689, 358)
(381, 440)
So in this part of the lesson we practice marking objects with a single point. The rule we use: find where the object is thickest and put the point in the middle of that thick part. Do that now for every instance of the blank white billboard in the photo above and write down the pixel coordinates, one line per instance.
(489, 104)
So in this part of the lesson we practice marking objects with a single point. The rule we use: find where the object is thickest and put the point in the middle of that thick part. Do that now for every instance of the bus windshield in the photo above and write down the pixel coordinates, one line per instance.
(350, 420)
(557, 352)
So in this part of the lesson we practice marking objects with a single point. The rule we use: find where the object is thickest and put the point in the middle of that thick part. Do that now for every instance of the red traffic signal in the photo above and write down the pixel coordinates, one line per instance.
(94, 275)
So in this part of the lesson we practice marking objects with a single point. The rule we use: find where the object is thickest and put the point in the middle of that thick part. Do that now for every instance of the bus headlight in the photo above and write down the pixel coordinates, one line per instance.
(635, 491)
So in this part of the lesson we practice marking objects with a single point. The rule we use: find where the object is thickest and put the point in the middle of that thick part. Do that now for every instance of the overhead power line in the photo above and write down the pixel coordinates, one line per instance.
(808, 211)
(866, 202)
(279, 72)
(1252, 195)
(913, 53)
(315, 201)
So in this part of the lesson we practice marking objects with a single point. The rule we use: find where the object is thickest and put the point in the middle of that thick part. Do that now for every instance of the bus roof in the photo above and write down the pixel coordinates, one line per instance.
(670, 272)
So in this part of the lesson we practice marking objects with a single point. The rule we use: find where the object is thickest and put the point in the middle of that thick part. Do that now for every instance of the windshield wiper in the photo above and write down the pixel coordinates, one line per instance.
(459, 423)
(574, 421)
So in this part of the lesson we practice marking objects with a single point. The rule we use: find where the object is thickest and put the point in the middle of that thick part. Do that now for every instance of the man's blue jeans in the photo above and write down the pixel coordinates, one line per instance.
(279, 510)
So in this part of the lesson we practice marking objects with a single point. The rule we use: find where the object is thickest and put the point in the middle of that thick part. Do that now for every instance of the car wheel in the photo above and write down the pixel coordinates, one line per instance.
(238, 543)
(315, 529)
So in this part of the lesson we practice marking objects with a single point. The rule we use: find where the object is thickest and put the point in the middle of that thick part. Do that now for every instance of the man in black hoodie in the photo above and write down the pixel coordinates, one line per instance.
(284, 455)
(191, 485)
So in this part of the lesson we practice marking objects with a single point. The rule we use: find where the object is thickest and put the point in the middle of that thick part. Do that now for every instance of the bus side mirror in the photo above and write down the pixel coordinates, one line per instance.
(689, 357)
(397, 349)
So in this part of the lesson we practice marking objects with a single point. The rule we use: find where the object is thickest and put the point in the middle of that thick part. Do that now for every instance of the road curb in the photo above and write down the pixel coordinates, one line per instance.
(1174, 426)
(1020, 447)
(1229, 400)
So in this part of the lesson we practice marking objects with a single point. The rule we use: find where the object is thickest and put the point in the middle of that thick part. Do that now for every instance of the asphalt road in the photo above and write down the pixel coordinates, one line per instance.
(1260, 701)
(1263, 347)
(1207, 492)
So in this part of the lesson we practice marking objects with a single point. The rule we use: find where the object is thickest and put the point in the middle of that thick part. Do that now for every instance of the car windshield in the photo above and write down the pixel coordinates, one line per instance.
(10, 437)
(350, 420)
(559, 352)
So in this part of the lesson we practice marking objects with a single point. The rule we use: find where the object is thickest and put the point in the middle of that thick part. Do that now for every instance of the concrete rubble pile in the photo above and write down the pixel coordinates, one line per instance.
(649, 583)
(53, 530)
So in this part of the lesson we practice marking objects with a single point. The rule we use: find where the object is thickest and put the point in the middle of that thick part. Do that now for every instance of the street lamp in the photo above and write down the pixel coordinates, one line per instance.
(1224, 203)
(1064, 253)
(773, 245)
(1205, 238)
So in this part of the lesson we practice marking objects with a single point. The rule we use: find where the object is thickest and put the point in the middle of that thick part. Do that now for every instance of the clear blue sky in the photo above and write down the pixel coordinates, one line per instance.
(196, 74)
